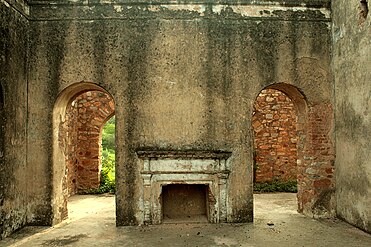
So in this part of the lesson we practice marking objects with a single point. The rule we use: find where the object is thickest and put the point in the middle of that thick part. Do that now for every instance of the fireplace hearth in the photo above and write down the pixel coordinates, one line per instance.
(184, 203)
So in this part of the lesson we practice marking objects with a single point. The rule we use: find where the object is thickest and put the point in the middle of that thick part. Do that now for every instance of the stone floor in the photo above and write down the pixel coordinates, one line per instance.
(92, 223)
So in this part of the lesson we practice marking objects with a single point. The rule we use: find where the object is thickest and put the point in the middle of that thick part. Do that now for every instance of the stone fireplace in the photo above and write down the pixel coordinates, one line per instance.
(184, 186)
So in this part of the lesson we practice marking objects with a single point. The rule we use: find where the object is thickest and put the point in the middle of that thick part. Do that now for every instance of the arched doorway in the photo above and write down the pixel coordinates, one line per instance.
(279, 125)
(79, 115)
(82, 130)
(275, 142)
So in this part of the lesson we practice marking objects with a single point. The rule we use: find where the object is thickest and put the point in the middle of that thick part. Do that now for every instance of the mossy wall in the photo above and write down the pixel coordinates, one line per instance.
(183, 77)
(15, 179)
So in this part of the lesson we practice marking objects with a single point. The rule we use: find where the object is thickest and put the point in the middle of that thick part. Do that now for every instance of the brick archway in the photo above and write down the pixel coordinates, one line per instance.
(84, 120)
(315, 167)
(79, 115)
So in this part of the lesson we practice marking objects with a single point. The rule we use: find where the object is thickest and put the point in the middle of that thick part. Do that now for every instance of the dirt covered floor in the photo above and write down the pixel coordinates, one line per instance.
(92, 223)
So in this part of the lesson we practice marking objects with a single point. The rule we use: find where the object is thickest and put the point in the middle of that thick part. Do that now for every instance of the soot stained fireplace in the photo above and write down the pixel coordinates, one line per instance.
(184, 203)
(184, 186)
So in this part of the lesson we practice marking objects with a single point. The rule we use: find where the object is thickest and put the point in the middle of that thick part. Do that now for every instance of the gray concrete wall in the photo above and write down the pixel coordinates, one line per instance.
(14, 173)
(183, 77)
(352, 74)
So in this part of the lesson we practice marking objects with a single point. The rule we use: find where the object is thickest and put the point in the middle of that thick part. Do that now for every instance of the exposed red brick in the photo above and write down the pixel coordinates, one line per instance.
(81, 132)
(275, 114)
(322, 183)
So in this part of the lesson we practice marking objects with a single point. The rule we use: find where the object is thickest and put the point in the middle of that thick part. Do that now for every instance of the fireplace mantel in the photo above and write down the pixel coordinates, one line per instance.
(189, 154)
(161, 168)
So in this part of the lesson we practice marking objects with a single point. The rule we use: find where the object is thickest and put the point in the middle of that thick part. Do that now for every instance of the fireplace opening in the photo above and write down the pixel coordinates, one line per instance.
(184, 203)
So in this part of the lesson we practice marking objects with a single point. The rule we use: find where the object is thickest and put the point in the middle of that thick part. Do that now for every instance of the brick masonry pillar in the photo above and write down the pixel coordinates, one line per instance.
(316, 166)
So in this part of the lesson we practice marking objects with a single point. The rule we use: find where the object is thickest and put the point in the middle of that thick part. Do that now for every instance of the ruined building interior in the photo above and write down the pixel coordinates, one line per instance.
(191, 84)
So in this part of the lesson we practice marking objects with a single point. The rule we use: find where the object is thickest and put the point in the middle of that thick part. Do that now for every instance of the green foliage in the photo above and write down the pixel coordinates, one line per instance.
(108, 135)
(276, 186)
(107, 180)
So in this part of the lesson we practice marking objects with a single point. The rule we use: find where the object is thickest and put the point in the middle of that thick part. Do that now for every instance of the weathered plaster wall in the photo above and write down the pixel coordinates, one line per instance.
(183, 77)
(352, 74)
(14, 173)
